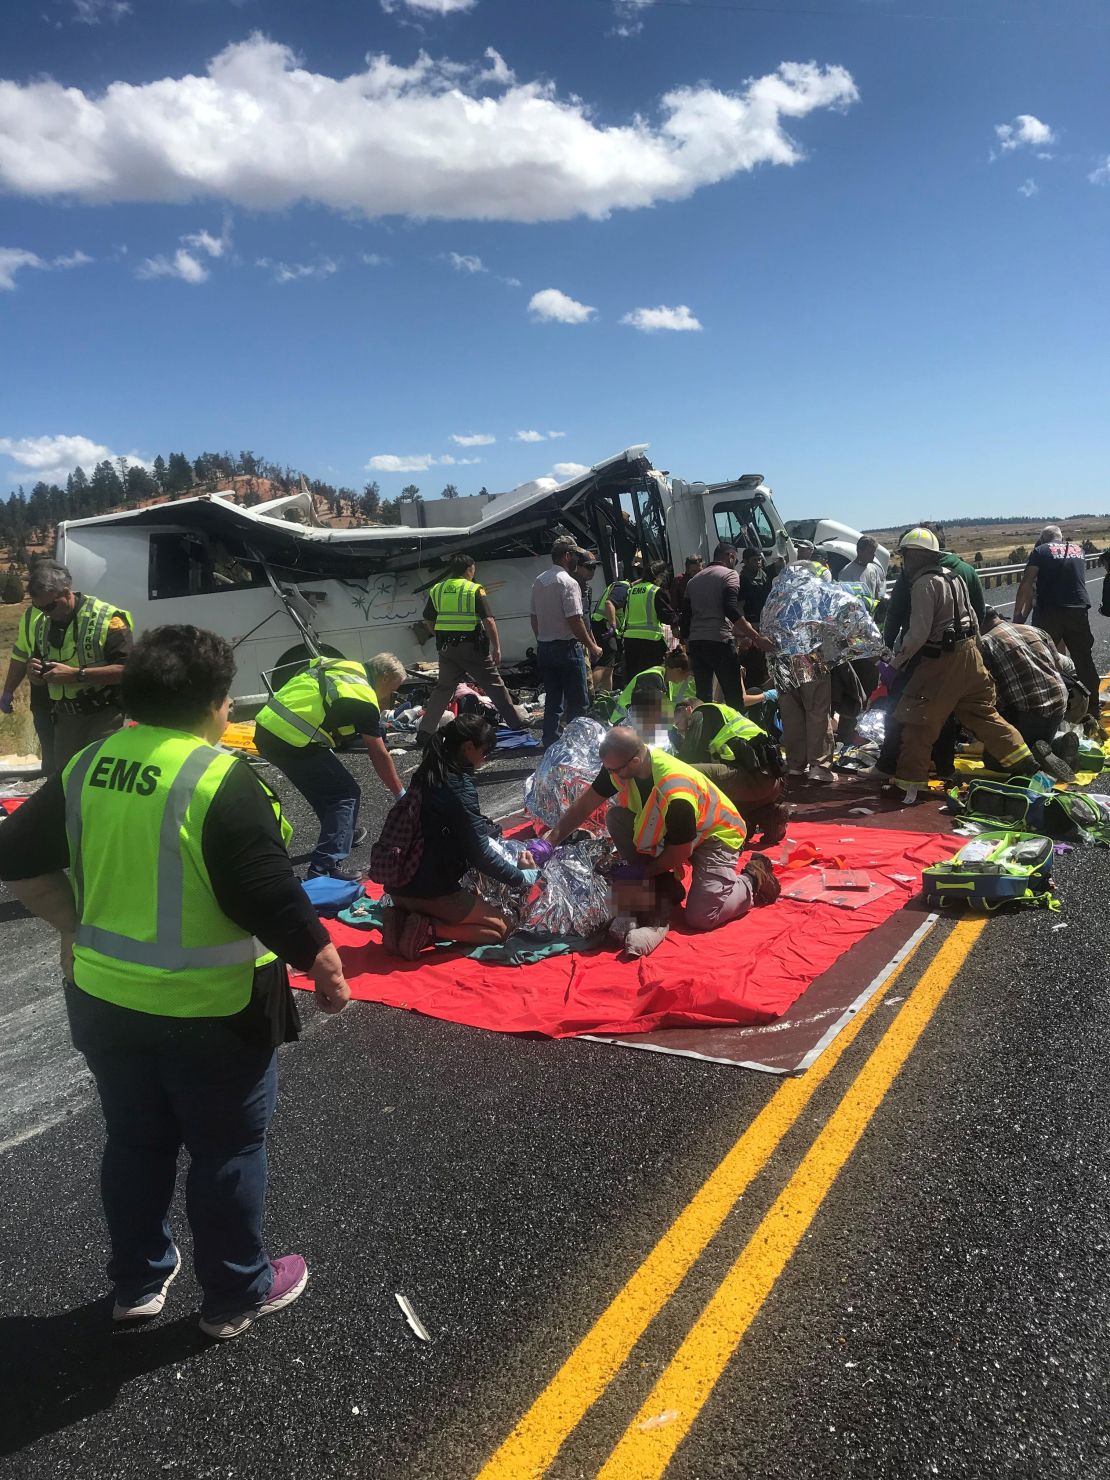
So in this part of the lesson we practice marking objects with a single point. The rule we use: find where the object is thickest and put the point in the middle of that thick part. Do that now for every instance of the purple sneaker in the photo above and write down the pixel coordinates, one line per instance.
(290, 1278)
(147, 1306)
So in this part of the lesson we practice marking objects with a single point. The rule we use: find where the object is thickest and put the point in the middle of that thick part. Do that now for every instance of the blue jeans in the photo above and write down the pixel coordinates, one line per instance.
(326, 785)
(165, 1083)
(562, 669)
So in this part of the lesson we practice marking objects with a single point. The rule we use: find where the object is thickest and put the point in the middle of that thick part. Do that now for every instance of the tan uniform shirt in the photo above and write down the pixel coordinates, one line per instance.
(937, 602)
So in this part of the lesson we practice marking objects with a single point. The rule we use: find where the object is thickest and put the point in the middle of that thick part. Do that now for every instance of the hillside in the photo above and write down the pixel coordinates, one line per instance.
(998, 542)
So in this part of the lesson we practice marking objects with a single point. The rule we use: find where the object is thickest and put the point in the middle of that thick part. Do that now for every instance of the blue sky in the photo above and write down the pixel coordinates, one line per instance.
(891, 264)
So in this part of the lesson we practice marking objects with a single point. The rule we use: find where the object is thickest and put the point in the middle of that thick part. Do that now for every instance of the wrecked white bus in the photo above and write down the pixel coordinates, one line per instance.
(281, 586)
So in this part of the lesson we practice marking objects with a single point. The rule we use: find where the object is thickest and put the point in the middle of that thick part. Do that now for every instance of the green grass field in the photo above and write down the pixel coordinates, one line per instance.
(17, 733)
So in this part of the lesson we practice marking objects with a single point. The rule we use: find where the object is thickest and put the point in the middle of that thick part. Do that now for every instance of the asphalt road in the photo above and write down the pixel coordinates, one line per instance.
(945, 1311)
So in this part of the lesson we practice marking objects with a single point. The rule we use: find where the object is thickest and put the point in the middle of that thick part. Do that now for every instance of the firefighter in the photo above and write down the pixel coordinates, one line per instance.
(298, 731)
(944, 671)
(468, 645)
(76, 646)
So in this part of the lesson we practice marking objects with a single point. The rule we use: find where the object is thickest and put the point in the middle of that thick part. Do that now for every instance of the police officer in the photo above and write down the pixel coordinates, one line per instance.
(176, 919)
(738, 757)
(78, 646)
(41, 710)
(641, 622)
(328, 702)
(468, 645)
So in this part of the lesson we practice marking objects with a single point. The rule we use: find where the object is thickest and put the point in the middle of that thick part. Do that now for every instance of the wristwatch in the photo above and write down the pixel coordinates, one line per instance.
(81, 675)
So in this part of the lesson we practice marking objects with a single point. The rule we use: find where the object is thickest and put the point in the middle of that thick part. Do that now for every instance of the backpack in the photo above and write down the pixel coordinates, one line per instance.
(1002, 804)
(396, 856)
(992, 870)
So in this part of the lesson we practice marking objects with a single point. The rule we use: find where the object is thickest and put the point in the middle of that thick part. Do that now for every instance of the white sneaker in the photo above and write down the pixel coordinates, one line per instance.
(150, 1305)
(820, 774)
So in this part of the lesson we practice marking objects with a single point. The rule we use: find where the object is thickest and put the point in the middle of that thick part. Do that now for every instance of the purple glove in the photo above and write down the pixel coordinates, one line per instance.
(888, 674)
(5, 703)
(626, 872)
(541, 850)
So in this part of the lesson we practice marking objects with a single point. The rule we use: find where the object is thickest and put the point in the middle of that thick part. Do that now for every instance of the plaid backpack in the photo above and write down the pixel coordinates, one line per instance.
(395, 857)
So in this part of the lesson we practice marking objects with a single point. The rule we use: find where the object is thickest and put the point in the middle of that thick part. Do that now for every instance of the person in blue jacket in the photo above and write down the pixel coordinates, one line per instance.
(457, 838)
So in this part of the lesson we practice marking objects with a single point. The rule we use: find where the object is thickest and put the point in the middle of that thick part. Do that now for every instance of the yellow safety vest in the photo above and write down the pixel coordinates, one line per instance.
(150, 935)
(638, 617)
(674, 691)
(673, 780)
(26, 635)
(598, 613)
(299, 712)
(856, 588)
(83, 641)
(736, 727)
(455, 601)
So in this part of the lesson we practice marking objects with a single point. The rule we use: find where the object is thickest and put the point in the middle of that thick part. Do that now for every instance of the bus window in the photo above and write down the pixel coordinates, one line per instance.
(743, 525)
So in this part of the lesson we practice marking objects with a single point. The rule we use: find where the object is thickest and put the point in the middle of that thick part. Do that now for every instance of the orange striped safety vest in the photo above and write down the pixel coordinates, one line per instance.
(673, 780)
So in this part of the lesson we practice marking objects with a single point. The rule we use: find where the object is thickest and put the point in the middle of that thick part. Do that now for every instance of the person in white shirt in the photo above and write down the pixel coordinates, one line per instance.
(563, 638)
(865, 570)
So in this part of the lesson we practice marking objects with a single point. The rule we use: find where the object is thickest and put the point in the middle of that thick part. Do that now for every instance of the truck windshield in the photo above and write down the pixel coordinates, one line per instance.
(743, 523)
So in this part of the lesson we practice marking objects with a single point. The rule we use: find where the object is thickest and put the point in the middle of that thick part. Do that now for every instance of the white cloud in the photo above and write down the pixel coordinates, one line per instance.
(1024, 131)
(185, 263)
(294, 272)
(427, 140)
(390, 462)
(51, 459)
(650, 320)
(182, 264)
(555, 306)
(529, 437)
(498, 73)
(1028, 188)
(374, 259)
(565, 470)
(473, 439)
(429, 7)
(466, 264)
(92, 12)
(15, 259)
(551, 436)
(511, 282)
(1100, 175)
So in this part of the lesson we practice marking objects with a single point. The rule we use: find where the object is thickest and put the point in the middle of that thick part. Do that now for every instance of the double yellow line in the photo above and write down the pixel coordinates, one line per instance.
(673, 1404)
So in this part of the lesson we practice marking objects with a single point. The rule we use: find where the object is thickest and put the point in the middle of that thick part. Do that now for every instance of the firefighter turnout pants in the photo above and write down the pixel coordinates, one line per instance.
(954, 683)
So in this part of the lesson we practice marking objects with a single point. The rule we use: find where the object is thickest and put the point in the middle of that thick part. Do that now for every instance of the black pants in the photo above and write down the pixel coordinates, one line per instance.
(641, 653)
(1071, 625)
(1031, 728)
(716, 660)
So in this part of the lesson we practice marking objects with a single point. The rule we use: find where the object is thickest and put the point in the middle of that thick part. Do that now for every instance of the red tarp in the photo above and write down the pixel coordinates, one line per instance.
(748, 972)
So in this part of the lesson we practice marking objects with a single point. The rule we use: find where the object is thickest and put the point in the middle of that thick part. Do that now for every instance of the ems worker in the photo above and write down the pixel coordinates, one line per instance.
(177, 917)
(741, 759)
(945, 673)
(42, 716)
(641, 624)
(663, 685)
(667, 814)
(79, 645)
(298, 731)
(468, 646)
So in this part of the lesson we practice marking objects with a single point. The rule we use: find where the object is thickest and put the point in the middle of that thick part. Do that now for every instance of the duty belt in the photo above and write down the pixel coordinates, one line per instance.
(88, 702)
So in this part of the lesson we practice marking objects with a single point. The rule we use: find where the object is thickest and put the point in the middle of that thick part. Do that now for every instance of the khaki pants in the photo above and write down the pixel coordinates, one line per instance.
(459, 660)
(72, 732)
(955, 683)
(717, 892)
(807, 733)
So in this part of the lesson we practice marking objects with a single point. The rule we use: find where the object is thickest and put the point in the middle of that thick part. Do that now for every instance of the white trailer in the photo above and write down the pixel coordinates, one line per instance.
(280, 586)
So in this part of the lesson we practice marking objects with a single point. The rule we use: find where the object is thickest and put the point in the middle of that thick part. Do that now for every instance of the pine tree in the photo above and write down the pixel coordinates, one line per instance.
(371, 500)
(409, 494)
(12, 589)
(160, 472)
(449, 491)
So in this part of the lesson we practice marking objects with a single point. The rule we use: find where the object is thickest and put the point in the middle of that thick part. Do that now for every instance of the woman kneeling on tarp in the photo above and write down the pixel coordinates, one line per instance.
(456, 838)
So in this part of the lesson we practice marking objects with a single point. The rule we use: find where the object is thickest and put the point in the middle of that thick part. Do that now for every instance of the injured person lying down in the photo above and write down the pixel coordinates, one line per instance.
(667, 814)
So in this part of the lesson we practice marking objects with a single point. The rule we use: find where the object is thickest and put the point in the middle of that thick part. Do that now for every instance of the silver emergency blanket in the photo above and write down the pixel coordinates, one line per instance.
(573, 897)
(815, 624)
(871, 726)
(566, 770)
